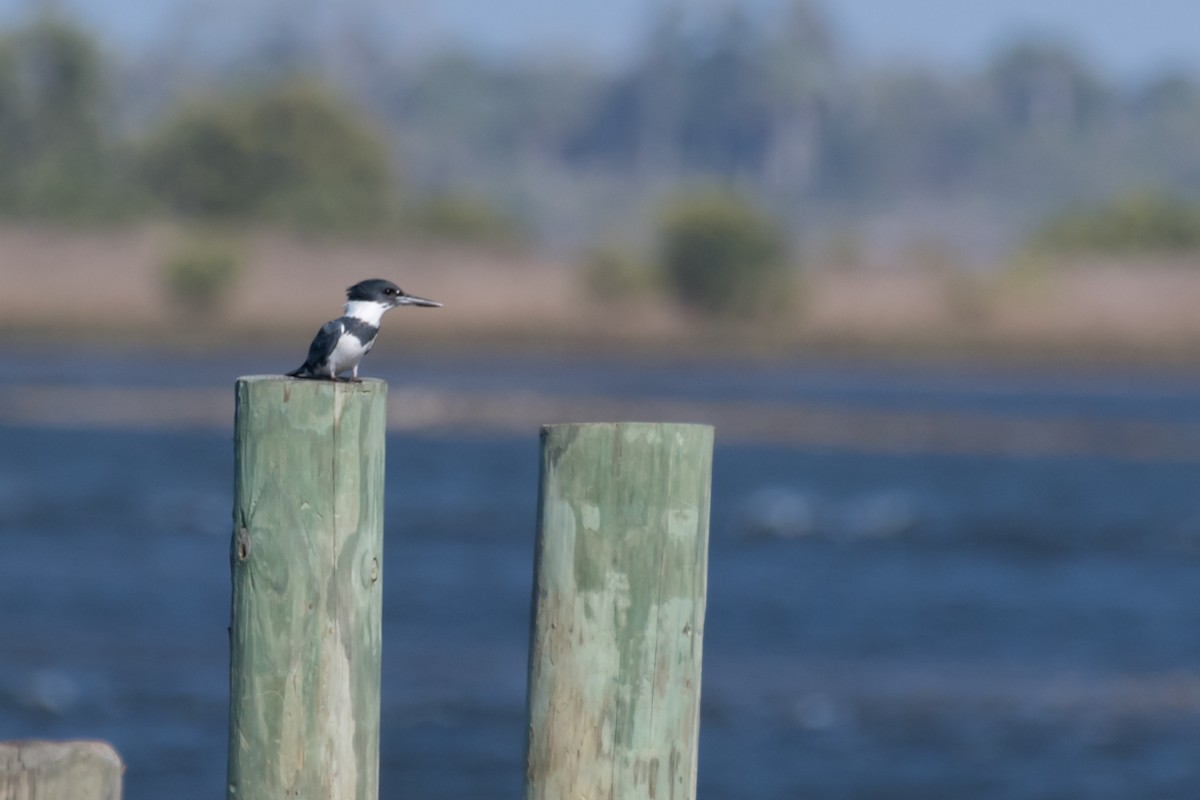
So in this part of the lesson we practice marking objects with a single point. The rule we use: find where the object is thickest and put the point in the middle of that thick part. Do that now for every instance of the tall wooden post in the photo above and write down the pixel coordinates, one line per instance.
(618, 611)
(306, 556)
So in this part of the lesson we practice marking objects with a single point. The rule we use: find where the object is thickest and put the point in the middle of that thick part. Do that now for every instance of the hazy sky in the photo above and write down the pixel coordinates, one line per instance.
(1128, 40)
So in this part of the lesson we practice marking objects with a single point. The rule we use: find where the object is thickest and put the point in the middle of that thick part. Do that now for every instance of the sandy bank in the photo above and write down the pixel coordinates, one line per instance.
(108, 284)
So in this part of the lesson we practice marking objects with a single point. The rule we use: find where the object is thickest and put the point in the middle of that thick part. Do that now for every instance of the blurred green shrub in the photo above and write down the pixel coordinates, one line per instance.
(723, 256)
(612, 273)
(200, 272)
(464, 217)
(1141, 222)
(294, 154)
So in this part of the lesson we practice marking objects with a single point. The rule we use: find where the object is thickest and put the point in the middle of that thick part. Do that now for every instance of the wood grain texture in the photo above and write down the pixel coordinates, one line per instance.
(306, 556)
(618, 611)
(78, 770)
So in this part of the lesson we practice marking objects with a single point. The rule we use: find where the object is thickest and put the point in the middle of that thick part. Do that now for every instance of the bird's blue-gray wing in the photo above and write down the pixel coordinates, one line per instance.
(324, 342)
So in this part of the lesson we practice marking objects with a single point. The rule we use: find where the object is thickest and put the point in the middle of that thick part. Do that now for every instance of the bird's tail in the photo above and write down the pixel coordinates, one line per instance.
(301, 371)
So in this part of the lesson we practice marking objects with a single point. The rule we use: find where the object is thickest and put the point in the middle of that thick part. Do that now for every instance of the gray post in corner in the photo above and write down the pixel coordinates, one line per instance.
(306, 556)
(618, 611)
(73, 770)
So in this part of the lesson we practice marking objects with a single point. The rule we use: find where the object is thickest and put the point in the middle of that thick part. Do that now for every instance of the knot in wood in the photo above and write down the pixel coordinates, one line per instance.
(243, 544)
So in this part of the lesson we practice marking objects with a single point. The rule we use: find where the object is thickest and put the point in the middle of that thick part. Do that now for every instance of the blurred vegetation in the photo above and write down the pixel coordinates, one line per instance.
(464, 217)
(1141, 222)
(614, 273)
(60, 159)
(722, 256)
(293, 153)
(200, 273)
(309, 121)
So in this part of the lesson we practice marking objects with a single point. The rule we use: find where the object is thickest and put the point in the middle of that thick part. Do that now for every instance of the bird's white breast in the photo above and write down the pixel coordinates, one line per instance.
(348, 352)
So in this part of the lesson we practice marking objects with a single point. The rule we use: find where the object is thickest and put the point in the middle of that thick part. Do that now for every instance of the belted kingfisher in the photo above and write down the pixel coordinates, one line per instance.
(341, 343)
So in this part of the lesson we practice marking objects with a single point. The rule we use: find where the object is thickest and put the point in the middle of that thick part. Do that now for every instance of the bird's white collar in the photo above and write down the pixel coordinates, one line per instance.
(368, 311)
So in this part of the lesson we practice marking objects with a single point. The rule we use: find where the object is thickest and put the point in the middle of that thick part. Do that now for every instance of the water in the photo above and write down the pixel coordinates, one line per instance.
(880, 624)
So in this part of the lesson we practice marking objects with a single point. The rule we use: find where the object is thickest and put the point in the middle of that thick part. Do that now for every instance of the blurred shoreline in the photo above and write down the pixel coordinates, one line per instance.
(105, 287)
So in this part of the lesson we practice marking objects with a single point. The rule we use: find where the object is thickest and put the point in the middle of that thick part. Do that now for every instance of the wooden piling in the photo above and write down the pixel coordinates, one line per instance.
(306, 556)
(78, 770)
(618, 611)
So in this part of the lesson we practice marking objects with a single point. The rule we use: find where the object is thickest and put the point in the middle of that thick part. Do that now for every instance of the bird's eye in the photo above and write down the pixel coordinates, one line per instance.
(389, 290)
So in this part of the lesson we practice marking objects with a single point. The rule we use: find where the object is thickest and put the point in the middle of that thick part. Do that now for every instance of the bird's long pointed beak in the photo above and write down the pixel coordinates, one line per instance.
(410, 300)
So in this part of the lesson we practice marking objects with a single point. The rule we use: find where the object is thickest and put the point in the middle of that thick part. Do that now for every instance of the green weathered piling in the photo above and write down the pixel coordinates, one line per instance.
(307, 556)
(78, 770)
(618, 611)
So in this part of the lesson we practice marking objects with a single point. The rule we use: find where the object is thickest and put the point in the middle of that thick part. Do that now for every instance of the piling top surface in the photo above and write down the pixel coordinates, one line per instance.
(566, 426)
(34, 754)
(683, 434)
(307, 387)
(362, 382)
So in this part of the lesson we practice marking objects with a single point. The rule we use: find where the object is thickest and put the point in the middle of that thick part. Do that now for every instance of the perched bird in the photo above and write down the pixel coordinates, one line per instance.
(341, 343)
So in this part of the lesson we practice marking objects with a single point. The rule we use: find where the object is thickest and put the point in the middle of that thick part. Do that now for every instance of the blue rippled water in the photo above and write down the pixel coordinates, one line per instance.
(880, 625)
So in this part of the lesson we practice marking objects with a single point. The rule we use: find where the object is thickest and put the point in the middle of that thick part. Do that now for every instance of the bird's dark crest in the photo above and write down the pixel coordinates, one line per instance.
(371, 289)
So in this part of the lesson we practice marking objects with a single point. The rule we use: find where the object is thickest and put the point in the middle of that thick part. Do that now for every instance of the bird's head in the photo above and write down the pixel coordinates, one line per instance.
(386, 294)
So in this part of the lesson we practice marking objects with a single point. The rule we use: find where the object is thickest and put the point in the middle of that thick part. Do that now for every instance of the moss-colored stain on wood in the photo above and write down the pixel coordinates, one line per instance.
(618, 611)
(306, 558)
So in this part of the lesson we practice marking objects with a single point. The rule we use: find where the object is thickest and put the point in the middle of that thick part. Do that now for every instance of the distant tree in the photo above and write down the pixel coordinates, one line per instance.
(293, 153)
(460, 115)
(1168, 94)
(59, 159)
(1163, 127)
(725, 127)
(912, 130)
(694, 101)
(203, 161)
(1045, 86)
(462, 104)
(802, 73)
(722, 256)
(62, 77)
(656, 95)
(802, 52)
(464, 218)
(321, 161)
(1141, 222)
